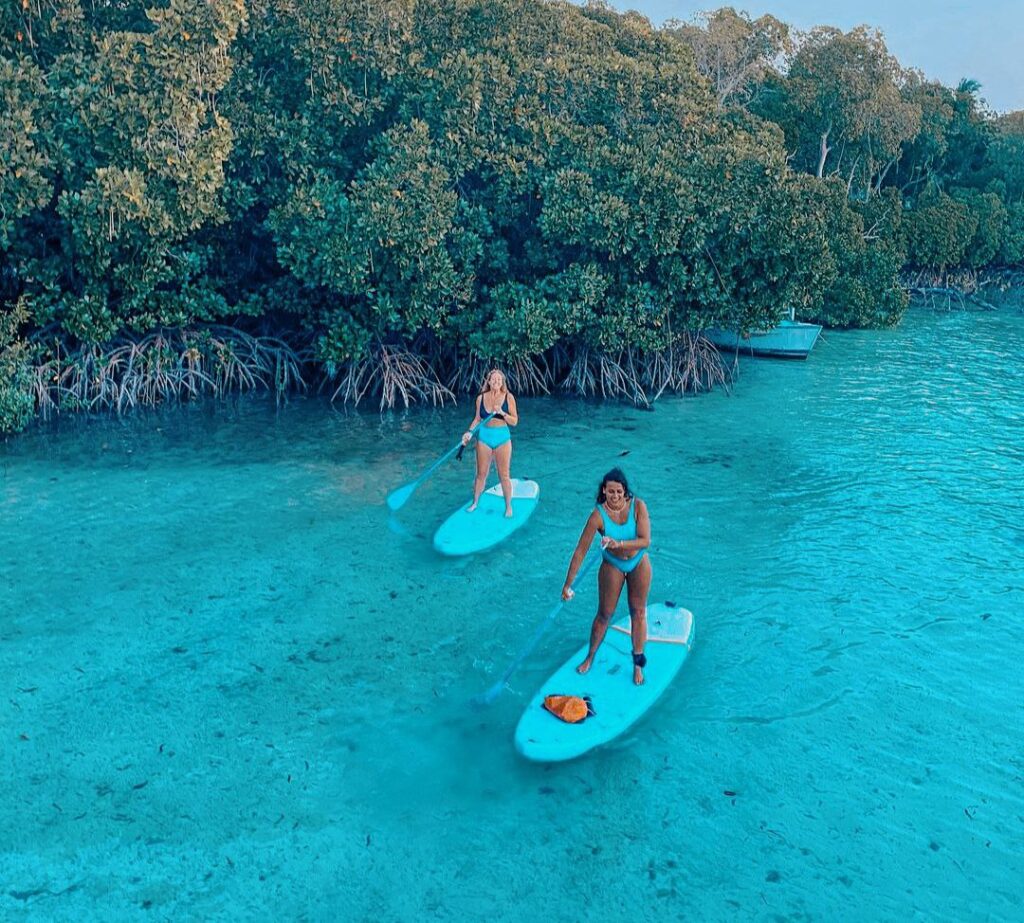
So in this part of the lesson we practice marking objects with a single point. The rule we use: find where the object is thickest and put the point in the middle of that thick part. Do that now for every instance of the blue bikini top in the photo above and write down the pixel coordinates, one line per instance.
(484, 411)
(625, 532)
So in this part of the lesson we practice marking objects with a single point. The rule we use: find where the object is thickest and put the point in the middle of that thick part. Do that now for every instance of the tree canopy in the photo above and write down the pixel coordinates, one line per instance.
(471, 180)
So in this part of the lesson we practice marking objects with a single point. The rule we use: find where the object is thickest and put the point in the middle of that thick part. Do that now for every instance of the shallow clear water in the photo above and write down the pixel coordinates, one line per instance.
(233, 689)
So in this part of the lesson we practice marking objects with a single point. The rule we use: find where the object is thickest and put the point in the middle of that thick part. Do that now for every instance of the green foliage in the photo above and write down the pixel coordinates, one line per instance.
(517, 321)
(1012, 251)
(25, 169)
(939, 230)
(137, 149)
(990, 217)
(484, 179)
(379, 243)
(867, 292)
(733, 52)
(16, 401)
(922, 157)
(842, 107)
(966, 229)
(856, 285)
(970, 135)
(1004, 173)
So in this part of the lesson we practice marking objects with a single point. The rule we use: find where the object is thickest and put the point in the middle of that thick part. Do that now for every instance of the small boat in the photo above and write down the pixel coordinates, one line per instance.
(791, 339)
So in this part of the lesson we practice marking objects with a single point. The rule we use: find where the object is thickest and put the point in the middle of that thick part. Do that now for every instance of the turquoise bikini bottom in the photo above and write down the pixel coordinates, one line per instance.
(625, 565)
(494, 436)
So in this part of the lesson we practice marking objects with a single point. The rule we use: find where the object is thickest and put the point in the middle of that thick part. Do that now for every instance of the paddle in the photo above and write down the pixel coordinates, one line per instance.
(491, 694)
(462, 447)
(398, 498)
(563, 468)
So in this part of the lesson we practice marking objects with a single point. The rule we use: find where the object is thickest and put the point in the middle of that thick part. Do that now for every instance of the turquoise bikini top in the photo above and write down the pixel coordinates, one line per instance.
(623, 533)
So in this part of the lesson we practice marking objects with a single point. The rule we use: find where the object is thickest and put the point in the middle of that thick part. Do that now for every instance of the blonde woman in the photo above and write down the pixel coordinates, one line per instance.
(494, 438)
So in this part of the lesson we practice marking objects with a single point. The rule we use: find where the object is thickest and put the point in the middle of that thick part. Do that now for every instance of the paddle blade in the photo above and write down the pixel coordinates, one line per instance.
(395, 525)
(398, 498)
(488, 697)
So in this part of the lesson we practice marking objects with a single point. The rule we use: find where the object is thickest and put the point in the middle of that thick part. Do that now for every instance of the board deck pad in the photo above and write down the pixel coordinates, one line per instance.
(466, 533)
(617, 702)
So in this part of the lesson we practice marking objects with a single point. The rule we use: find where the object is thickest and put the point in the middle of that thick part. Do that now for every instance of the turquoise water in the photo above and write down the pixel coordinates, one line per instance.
(233, 689)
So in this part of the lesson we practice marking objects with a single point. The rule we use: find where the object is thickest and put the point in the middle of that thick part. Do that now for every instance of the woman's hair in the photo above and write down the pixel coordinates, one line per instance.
(614, 475)
(486, 386)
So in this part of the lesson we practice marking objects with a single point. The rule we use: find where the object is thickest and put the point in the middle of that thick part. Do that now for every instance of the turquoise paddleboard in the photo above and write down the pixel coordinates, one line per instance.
(466, 533)
(616, 701)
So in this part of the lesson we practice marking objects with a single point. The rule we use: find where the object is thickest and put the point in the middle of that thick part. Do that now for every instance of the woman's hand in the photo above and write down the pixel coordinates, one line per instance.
(466, 436)
(567, 593)
(610, 543)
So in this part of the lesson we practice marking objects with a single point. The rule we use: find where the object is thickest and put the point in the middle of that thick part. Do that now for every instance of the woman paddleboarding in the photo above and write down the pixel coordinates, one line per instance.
(625, 528)
(494, 438)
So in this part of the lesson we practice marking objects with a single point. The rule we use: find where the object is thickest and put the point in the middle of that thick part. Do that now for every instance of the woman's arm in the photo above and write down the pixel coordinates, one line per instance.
(643, 532)
(467, 435)
(512, 417)
(582, 546)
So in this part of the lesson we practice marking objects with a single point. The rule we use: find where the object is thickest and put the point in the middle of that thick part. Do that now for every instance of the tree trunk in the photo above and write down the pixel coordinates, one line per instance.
(869, 172)
(853, 172)
(824, 153)
(885, 173)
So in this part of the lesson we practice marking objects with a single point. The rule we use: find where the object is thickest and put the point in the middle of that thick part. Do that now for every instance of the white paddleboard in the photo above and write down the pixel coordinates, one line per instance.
(616, 701)
(465, 533)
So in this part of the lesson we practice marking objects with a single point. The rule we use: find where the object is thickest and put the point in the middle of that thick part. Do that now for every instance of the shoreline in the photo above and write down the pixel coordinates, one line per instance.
(169, 367)
(174, 367)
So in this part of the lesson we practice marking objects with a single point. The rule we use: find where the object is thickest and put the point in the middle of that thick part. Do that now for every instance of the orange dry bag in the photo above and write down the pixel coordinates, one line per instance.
(570, 708)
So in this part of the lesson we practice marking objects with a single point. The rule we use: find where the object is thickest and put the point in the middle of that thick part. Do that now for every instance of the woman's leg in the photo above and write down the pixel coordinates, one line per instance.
(609, 584)
(638, 586)
(503, 462)
(483, 465)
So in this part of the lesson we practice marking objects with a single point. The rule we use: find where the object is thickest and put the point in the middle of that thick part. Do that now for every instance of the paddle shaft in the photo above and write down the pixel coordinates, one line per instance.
(573, 467)
(462, 445)
(406, 490)
(495, 690)
(455, 448)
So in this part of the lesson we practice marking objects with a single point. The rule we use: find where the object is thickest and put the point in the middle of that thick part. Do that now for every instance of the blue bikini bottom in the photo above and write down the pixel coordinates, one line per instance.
(494, 436)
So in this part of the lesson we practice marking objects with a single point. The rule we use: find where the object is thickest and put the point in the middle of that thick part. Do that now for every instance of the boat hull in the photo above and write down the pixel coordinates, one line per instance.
(789, 340)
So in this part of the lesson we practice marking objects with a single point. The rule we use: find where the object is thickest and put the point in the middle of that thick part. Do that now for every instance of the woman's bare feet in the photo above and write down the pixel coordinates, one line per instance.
(585, 666)
(471, 507)
(638, 676)
(508, 512)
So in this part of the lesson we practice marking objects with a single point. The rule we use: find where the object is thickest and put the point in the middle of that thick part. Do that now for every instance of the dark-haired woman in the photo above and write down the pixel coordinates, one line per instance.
(494, 438)
(625, 529)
